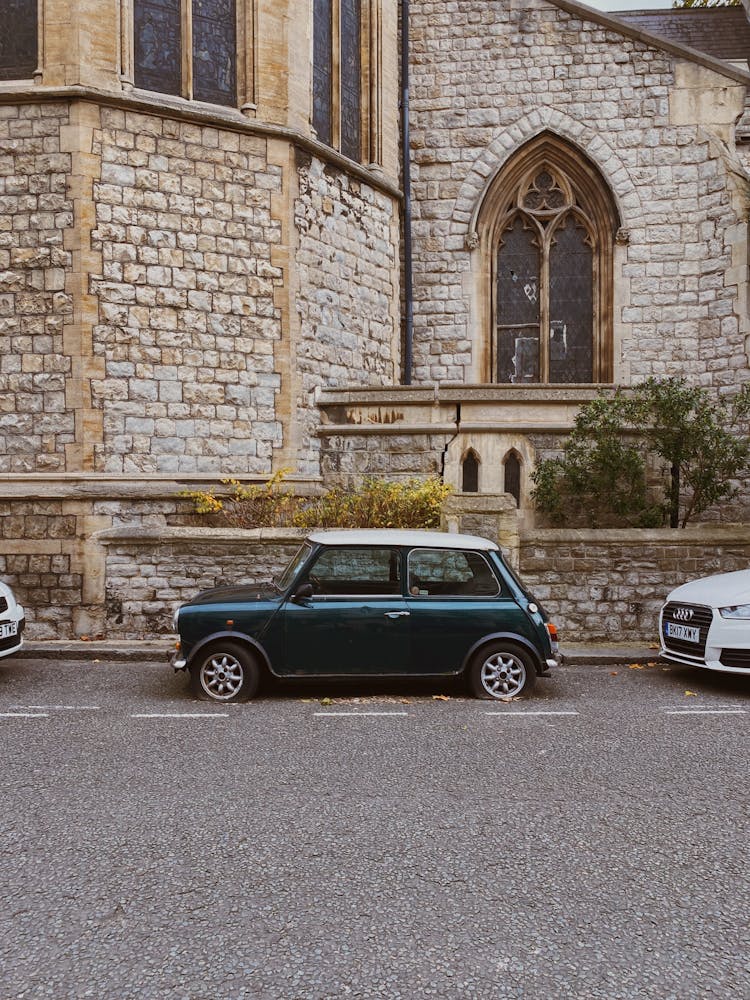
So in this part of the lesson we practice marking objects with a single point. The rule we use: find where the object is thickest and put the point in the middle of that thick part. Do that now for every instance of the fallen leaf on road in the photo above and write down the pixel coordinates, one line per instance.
(691, 694)
(613, 673)
(635, 666)
(441, 697)
(326, 701)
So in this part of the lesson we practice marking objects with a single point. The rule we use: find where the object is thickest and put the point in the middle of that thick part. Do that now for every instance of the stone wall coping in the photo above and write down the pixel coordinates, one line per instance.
(697, 534)
(79, 486)
(611, 21)
(151, 537)
(231, 119)
(458, 393)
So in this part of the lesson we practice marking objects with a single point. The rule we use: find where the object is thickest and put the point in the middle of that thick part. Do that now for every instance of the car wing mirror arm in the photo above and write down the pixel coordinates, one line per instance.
(303, 593)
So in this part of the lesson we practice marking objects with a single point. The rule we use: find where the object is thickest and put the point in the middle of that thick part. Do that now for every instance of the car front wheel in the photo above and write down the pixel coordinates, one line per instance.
(225, 672)
(501, 670)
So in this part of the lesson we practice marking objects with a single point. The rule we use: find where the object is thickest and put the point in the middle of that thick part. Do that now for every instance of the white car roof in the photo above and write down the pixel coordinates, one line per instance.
(401, 536)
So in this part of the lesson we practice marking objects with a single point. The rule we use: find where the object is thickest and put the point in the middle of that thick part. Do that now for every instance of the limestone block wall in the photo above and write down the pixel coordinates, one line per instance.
(347, 299)
(608, 585)
(486, 77)
(149, 573)
(36, 422)
(187, 324)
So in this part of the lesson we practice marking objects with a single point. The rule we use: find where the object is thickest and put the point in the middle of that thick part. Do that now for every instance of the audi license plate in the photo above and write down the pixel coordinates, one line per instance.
(688, 633)
(7, 629)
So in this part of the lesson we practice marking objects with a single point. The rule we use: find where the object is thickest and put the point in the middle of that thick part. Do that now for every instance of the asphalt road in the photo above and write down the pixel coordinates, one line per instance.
(590, 842)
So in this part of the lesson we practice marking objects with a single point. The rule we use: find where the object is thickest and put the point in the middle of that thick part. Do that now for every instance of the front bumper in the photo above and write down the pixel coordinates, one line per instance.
(176, 659)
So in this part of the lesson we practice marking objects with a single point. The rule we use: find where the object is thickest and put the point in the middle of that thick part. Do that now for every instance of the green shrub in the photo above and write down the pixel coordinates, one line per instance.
(378, 503)
(660, 453)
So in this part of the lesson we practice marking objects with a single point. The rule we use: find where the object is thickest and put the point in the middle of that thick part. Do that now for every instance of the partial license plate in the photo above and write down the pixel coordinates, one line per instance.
(688, 633)
(7, 629)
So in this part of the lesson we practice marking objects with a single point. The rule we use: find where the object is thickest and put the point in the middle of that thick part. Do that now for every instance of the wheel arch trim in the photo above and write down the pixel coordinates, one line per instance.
(519, 640)
(239, 637)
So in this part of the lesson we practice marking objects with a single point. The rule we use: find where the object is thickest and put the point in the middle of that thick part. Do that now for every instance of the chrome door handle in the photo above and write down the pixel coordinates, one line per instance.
(397, 614)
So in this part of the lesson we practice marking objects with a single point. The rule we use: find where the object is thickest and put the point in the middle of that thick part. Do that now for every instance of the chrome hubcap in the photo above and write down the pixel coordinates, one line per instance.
(503, 675)
(221, 676)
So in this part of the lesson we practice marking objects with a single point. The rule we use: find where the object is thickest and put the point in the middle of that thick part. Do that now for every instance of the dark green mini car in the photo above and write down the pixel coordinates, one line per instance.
(371, 603)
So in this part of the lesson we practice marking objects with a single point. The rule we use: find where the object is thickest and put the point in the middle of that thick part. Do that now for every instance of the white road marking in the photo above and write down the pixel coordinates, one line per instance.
(24, 715)
(705, 711)
(181, 715)
(60, 708)
(531, 713)
(355, 714)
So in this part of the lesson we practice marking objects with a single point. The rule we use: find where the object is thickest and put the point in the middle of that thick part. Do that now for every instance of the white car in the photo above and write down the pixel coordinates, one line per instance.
(12, 622)
(706, 623)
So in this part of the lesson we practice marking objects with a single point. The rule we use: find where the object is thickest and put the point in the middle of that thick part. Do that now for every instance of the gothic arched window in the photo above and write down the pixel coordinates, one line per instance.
(548, 223)
(18, 39)
(470, 473)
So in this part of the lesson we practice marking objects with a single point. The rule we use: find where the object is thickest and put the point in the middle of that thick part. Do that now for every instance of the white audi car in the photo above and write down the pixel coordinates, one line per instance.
(706, 623)
(12, 622)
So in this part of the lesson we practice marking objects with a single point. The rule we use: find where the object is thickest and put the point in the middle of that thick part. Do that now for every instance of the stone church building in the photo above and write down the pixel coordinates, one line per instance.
(212, 264)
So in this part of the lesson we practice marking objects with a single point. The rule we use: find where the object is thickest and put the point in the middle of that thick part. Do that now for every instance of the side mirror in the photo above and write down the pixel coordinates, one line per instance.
(303, 593)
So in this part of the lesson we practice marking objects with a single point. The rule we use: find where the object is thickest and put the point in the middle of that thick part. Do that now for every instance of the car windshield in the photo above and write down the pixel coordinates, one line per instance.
(295, 563)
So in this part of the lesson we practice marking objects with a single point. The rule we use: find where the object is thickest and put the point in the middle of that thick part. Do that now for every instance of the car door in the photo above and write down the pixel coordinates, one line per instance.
(356, 621)
(454, 599)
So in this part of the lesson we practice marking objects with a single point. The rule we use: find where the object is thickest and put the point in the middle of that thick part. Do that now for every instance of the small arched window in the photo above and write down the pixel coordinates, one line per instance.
(470, 473)
(512, 476)
(548, 223)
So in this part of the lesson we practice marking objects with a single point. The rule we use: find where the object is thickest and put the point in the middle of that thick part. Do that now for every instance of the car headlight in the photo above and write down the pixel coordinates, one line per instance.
(176, 620)
(736, 611)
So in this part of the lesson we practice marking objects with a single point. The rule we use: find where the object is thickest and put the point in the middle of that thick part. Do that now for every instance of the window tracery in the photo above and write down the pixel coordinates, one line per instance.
(548, 224)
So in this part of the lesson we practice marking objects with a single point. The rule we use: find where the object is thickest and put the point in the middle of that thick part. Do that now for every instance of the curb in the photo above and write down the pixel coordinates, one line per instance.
(138, 651)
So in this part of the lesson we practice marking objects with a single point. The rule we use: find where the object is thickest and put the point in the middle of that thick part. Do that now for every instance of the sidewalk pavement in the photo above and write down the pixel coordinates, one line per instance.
(158, 651)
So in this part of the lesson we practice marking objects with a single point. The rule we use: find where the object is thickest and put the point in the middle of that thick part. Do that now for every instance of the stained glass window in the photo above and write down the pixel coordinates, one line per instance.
(322, 70)
(18, 40)
(215, 51)
(518, 298)
(571, 304)
(545, 287)
(351, 82)
(158, 45)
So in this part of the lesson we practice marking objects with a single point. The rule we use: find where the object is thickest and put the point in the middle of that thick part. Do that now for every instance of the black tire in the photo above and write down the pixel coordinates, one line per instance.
(501, 670)
(225, 672)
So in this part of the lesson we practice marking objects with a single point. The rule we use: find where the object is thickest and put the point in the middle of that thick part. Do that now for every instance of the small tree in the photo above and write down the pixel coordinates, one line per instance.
(707, 3)
(618, 441)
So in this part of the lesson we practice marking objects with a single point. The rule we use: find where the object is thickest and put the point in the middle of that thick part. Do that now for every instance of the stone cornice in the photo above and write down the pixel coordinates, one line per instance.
(614, 23)
(231, 119)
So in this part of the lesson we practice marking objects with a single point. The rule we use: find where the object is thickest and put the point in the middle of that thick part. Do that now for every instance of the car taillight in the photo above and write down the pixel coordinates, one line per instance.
(552, 629)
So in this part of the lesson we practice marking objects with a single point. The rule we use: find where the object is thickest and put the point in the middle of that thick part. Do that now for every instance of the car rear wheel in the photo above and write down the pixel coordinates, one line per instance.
(225, 672)
(501, 670)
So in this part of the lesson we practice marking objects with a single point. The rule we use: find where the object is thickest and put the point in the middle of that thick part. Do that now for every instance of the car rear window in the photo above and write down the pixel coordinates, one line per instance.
(450, 573)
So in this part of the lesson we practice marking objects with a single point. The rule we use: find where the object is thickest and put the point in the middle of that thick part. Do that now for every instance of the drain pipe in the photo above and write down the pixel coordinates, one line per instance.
(406, 170)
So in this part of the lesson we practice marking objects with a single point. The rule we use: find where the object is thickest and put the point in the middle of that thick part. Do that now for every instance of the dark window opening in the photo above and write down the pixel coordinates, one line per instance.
(512, 476)
(470, 474)
(18, 40)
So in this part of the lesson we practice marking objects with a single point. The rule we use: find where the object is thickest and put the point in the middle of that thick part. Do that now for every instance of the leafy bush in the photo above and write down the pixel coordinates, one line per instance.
(660, 453)
(378, 503)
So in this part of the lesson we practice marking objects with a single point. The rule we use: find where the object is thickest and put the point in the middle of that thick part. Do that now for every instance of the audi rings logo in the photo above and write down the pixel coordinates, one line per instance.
(683, 614)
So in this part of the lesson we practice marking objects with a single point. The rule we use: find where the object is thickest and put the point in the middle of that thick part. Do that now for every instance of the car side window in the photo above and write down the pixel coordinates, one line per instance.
(356, 571)
(450, 573)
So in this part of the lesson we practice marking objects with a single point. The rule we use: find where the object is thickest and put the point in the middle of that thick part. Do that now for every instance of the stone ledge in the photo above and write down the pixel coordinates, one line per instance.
(698, 534)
